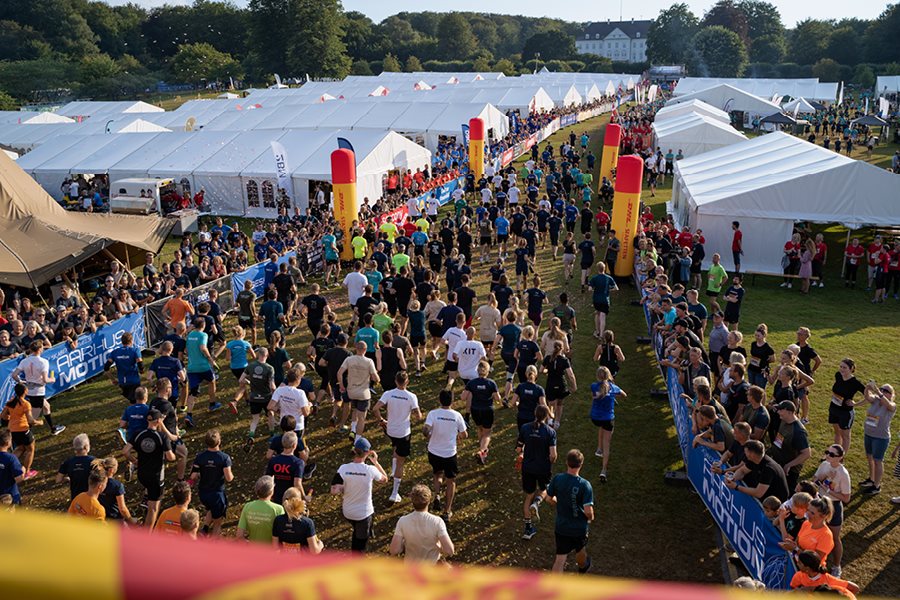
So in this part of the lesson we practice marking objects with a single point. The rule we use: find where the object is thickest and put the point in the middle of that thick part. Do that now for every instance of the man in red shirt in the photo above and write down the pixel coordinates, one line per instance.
(818, 263)
(409, 227)
(873, 251)
(737, 245)
(854, 254)
(602, 219)
(647, 216)
(686, 238)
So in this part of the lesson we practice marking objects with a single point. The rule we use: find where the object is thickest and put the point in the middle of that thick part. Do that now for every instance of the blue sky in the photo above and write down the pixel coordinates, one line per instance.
(791, 12)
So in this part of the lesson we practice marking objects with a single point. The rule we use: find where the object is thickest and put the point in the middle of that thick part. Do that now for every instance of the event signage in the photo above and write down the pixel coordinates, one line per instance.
(261, 274)
(282, 171)
(739, 516)
(73, 366)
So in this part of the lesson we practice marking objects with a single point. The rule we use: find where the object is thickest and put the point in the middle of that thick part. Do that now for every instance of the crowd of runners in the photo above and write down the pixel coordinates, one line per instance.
(414, 310)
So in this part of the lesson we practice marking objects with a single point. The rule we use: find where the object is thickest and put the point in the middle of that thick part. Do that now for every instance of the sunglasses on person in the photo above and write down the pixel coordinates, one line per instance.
(832, 454)
(887, 391)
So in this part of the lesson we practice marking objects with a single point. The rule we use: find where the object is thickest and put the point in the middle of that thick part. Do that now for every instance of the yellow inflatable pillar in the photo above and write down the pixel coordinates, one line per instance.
(611, 140)
(476, 147)
(626, 209)
(346, 205)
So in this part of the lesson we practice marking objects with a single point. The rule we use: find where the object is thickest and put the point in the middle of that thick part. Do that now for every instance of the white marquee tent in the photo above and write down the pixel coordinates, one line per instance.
(52, 172)
(136, 164)
(695, 134)
(887, 84)
(765, 88)
(183, 160)
(771, 182)
(800, 105)
(729, 98)
(698, 107)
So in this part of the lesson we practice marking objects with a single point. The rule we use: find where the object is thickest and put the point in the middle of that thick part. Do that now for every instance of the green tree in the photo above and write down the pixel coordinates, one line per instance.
(197, 62)
(864, 76)
(598, 64)
(552, 44)
(763, 18)
(455, 37)
(21, 42)
(361, 67)
(809, 41)
(359, 34)
(58, 21)
(882, 36)
(412, 65)
(481, 65)
(426, 23)
(7, 102)
(95, 67)
(845, 46)
(717, 52)
(558, 66)
(21, 77)
(827, 70)
(315, 46)
(390, 64)
(505, 66)
(726, 14)
(670, 35)
(770, 48)
(485, 31)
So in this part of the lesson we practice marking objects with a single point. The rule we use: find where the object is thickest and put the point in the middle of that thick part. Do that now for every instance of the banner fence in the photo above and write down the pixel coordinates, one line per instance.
(73, 366)
(739, 516)
(156, 324)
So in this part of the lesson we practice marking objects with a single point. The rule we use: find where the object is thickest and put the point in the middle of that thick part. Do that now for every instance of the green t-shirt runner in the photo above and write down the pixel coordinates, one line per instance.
(715, 279)
(257, 518)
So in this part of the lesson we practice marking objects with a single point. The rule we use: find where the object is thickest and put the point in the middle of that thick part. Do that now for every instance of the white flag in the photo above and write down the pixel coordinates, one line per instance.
(840, 99)
(866, 110)
(883, 107)
(796, 108)
(282, 171)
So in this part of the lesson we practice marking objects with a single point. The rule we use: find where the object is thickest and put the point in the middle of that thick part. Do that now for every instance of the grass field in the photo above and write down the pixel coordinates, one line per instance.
(644, 529)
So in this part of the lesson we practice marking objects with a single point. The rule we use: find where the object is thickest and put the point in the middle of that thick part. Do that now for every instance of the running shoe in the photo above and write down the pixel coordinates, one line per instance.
(189, 421)
(446, 517)
(233, 407)
(31, 474)
(603, 477)
(215, 406)
(395, 499)
(122, 434)
(248, 443)
(866, 483)
(586, 567)
(309, 470)
(129, 471)
(873, 490)
(536, 511)
(530, 531)
(599, 453)
(58, 429)
(436, 505)
(479, 456)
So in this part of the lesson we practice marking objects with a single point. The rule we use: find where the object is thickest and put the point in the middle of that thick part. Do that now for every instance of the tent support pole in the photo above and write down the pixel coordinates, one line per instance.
(74, 289)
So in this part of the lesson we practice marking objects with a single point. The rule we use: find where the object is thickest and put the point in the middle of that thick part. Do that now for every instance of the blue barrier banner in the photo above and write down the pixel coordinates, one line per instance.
(567, 120)
(739, 516)
(75, 366)
(260, 274)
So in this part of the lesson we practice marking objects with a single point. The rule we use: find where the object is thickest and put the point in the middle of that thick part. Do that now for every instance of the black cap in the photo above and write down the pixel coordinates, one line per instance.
(154, 415)
(682, 323)
(786, 405)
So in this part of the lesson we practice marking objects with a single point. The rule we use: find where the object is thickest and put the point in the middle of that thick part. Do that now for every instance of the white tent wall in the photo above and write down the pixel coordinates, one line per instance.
(887, 84)
(220, 174)
(54, 171)
(699, 107)
(136, 164)
(729, 98)
(181, 162)
(809, 88)
(763, 240)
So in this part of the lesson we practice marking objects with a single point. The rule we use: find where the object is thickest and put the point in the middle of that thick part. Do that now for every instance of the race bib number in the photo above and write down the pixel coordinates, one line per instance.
(754, 361)
(837, 400)
(853, 261)
(872, 421)
(778, 441)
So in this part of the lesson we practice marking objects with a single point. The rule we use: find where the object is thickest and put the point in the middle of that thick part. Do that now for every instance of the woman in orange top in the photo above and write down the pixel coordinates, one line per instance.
(17, 413)
(814, 534)
(811, 574)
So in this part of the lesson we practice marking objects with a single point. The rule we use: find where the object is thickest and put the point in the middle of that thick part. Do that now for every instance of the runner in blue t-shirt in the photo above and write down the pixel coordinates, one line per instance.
(129, 366)
(574, 500)
(501, 225)
(166, 366)
(201, 367)
(601, 284)
(604, 393)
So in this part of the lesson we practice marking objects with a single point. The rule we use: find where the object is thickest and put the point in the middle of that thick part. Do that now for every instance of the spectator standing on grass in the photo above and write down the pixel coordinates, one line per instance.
(737, 245)
(833, 480)
(716, 278)
(877, 428)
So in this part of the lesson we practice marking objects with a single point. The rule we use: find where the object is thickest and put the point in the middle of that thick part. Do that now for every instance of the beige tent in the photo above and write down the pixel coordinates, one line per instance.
(40, 240)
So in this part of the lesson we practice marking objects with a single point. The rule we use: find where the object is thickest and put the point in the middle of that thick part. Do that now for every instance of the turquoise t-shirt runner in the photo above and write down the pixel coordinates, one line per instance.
(238, 349)
(329, 244)
(197, 362)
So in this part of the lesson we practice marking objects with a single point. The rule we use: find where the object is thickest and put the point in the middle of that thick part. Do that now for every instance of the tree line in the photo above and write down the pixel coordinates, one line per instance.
(748, 38)
(102, 51)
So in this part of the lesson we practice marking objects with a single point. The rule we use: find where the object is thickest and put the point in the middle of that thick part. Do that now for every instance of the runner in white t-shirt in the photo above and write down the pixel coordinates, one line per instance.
(457, 194)
(468, 354)
(412, 206)
(288, 399)
(497, 180)
(443, 428)
(34, 372)
(432, 206)
(355, 281)
(354, 480)
(451, 338)
(489, 170)
(513, 195)
(400, 404)
(486, 195)
(420, 535)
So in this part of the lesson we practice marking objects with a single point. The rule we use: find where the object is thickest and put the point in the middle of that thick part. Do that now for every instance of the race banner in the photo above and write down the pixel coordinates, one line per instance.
(282, 171)
(739, 516)
(260, 274)
(157, 328)
(508, 156)
(397, 215)
(73, 366)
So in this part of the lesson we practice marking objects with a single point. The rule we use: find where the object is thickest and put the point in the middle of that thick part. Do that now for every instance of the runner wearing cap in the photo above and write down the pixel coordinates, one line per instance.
(354, 481)
(400, 404)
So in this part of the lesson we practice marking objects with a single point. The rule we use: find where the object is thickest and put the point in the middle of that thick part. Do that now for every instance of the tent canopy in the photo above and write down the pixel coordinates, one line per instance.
(779, 118)
(870, 120)
(770, 182)
(39, 240)
(692, 106)
(728, 98)
(801, 106)
(695, 134)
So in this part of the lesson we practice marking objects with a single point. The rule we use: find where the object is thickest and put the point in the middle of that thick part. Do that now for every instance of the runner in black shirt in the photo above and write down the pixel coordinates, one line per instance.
(212, 468)
(332, 361)
(314, 308)
(151, 449)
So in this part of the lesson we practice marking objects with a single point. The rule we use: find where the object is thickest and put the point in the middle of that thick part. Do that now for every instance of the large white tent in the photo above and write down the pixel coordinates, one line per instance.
(691, 107)
(99, 162)
(52, 172)
(765, 88)
(887, 84)
(695, 134)
(183, 160)
(771, 182)
(729, 98)
(136, 164)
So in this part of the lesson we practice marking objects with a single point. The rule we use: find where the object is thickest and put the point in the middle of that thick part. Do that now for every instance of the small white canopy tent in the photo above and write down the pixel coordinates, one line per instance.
(525, 100)
(770, 182)
(136, 164)
(728, 98)
(220, 174)
(800, 106)
(695, 134)
(699, 107)
(563, 95)
(181, 162)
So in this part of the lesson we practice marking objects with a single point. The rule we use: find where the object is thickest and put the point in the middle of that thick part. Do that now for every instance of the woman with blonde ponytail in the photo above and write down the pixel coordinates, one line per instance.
(604, 393)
